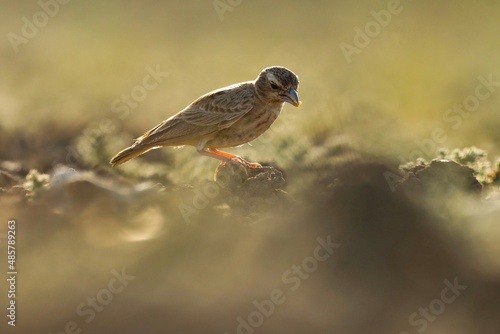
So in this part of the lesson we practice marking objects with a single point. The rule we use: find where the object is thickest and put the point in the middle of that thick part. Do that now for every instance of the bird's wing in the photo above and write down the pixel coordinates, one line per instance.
(208, 114)
(221, 108)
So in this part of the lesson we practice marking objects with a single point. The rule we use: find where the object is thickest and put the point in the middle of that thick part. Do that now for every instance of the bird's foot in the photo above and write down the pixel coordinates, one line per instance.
(247, 163)
(238, 161)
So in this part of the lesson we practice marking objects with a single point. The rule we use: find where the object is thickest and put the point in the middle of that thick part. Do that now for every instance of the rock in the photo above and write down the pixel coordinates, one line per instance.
(257, 181)
(252, 189)
(7, 180)
(440, 177)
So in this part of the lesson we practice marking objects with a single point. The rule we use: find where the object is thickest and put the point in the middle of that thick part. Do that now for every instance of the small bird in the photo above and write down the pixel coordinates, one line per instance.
(226, 117)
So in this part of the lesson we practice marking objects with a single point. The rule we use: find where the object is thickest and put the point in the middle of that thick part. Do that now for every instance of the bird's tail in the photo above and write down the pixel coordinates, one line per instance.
(129, 153)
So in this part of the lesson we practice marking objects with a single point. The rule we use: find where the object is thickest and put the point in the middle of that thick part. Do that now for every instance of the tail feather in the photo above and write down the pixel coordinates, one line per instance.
(128, 154)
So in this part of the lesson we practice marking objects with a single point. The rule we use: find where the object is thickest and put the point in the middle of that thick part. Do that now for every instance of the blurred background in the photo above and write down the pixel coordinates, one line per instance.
(383, 83)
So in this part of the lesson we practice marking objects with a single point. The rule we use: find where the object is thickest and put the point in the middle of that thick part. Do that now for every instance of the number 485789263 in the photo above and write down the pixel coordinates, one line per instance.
(11, 242)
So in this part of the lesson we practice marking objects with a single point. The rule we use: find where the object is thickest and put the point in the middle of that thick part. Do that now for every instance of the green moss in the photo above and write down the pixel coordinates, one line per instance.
(36, 183)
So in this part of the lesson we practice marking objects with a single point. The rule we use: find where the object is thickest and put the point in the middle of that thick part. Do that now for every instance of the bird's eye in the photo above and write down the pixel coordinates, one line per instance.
(274, 85)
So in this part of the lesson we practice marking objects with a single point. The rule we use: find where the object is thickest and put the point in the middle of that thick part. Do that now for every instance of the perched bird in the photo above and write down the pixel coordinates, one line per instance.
(227, 117)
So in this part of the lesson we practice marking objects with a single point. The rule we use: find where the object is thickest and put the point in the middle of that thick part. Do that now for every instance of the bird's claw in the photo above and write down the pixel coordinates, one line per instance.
(242, 163)
(246, 163)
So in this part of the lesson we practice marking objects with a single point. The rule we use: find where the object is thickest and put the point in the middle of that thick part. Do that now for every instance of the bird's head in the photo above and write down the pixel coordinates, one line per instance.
(278, 84)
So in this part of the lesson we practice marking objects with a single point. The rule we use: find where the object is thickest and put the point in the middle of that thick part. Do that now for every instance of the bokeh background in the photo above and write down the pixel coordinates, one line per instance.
(59, 89)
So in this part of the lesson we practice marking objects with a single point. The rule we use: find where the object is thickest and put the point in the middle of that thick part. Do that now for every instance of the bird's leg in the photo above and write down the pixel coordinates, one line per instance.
(234, 158)
(226, 157)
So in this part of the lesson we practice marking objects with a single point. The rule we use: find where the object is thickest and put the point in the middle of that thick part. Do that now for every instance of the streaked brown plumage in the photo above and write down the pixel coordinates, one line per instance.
(226, 117)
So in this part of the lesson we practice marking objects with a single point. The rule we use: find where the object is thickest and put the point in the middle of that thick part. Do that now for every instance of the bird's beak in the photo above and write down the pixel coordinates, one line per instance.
(292, 97)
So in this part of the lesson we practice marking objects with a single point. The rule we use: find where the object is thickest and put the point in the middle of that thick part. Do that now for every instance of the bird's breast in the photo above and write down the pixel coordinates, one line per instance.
(247, 128)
